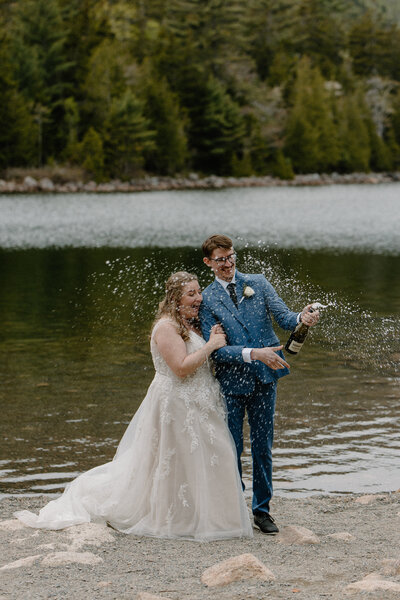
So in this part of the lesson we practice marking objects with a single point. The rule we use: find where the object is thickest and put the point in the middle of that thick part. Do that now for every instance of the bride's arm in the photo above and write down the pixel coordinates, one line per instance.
(173, 349)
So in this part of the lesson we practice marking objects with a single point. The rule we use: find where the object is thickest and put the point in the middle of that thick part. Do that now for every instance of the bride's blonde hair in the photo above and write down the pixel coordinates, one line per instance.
(169, 306)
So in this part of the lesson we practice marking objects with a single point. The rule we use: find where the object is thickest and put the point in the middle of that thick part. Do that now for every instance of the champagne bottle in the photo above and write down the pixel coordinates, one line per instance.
(299, 333)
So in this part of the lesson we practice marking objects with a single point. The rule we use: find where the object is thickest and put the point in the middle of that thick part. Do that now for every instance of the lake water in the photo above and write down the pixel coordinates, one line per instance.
(81, 276)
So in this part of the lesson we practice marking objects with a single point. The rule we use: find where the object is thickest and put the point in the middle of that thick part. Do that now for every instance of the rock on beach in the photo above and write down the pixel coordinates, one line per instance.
(292, 534)
(245, 566)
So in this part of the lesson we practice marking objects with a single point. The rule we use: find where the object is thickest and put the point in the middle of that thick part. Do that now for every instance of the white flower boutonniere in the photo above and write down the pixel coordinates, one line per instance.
(248, 292)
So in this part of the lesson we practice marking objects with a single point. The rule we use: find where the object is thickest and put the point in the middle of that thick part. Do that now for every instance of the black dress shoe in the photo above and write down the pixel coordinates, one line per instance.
(265, 523)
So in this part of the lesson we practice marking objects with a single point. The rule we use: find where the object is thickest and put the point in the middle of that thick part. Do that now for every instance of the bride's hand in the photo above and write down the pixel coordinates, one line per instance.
(217, 328)
(217, 337)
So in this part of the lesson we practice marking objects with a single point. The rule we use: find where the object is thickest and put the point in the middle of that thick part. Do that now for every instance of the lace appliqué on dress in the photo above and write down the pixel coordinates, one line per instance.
(182, 494)
(164, 468)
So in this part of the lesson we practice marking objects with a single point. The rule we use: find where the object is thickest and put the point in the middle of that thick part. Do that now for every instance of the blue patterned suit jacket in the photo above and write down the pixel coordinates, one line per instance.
(248, 326)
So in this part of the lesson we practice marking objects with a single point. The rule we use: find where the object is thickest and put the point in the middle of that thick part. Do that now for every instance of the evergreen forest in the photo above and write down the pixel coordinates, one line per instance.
(264, 87)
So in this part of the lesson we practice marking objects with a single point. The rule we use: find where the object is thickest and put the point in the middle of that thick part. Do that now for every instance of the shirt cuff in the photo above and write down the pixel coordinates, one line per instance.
(298, 318)
(246, 353)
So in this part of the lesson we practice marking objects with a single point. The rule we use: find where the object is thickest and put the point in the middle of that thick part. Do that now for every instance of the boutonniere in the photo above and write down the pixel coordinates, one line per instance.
(248, 292)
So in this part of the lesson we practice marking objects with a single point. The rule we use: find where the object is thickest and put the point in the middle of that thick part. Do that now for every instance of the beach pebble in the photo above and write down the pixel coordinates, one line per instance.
(89, 534)
(46, 184)
(372, 583)
(292, 534)
(11, 525)
(30, 182)
(22, 562)
(237, 568)
(391, 567)
(146, 596)
(63, 558)
(103, 584)
(342, 536)
(369, 498)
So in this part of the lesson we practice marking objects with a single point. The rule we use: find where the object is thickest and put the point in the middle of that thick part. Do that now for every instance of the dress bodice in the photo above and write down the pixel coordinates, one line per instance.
(194, 343)
(200, 387)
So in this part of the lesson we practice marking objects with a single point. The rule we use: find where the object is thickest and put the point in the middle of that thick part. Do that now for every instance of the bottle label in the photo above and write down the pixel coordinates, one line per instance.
(295, 346)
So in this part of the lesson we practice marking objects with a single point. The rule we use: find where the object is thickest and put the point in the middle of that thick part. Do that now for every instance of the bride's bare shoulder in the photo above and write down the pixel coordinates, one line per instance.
(165, 326)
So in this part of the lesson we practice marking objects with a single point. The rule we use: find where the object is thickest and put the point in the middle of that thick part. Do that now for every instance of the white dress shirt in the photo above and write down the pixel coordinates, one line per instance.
(246, 352)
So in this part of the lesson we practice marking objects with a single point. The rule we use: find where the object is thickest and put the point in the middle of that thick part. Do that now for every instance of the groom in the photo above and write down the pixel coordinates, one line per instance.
(249, 366)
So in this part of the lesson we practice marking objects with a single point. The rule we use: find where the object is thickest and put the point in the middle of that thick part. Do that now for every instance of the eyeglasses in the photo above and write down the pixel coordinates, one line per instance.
(223, 259)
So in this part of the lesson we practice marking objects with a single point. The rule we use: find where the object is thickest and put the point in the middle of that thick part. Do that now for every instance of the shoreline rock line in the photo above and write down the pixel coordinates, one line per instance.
(192, 182)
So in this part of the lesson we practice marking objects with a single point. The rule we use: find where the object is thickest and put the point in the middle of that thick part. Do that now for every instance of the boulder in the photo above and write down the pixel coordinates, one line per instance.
(292, 534)
(391, 567)
(237, 568)
(373, 583)
(89, 534)
(46, 184)
(369, 498)
(30, 182)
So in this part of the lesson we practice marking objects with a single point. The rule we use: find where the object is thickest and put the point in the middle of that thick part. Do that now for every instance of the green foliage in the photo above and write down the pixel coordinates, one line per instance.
(217, 129)
(271, 87)
(72, 121)
(212, 28)
(165, 116)
(269, 30)
(353, 132)
(282, 166)
(91, 154)
(319, 33)
(38, 38)
(311, 139)
(17, 130)
(128, 136)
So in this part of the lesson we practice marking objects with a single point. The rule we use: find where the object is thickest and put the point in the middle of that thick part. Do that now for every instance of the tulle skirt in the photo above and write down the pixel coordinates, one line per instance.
(174, 474)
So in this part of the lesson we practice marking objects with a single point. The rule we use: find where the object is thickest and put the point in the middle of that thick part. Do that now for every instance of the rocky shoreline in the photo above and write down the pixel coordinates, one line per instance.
(328, 547)
(193, 181)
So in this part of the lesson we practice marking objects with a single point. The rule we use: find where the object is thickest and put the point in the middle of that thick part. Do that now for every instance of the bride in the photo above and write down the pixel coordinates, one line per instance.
(174, 474)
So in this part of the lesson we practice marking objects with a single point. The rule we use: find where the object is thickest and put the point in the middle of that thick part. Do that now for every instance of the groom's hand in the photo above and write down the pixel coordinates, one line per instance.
(269, 357)
(309, 318)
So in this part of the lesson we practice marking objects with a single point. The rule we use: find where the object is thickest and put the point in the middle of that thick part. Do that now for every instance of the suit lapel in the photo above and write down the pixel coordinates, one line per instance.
(222, 296)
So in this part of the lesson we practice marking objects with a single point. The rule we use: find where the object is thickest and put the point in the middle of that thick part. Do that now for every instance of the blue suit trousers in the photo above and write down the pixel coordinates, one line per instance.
(260, 407)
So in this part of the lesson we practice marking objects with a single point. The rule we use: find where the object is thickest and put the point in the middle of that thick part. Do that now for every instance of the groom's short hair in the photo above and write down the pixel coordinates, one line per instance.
(216, 241)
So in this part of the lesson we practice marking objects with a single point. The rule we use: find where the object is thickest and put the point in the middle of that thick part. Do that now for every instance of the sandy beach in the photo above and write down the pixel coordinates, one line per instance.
(328, 547)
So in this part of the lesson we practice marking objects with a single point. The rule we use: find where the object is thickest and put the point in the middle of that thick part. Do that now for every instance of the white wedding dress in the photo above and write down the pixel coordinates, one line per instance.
(174, 474)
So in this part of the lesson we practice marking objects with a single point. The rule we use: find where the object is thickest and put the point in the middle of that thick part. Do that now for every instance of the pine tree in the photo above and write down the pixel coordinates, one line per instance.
(91, 154)
(311, 139)
(128, 136)
(217, 130)
(86, 26)
(40, 66)
(319, 34)
(106, 79)
(212, 28)
(165, 117)
(354, 136)
(17, 131)
(363, 45)
(268, 26)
